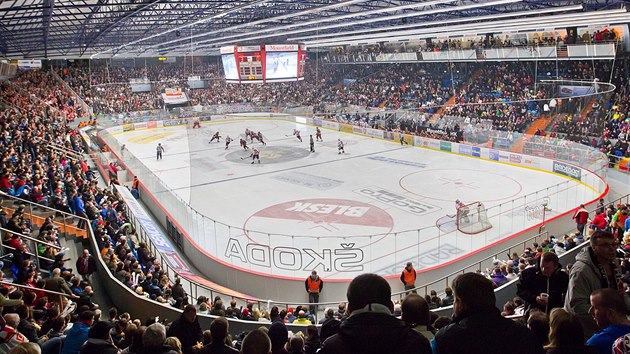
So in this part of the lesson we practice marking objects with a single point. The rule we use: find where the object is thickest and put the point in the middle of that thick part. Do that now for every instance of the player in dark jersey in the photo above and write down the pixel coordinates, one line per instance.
(244, 143)
(260, 138)
(318, 134)
(215, 136)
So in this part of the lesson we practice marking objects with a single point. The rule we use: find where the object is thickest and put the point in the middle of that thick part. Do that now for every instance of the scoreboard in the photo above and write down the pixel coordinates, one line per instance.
(250, 63)
(264, 63)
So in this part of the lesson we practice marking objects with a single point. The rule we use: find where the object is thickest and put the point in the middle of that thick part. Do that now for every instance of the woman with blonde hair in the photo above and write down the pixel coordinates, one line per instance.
(174, 343)
(566, 335)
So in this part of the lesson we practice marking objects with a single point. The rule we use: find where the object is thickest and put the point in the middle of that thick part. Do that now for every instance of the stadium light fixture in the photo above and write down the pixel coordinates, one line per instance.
(540, 26)
(301, 24)
(465, 28)
(221, 14)
(345, 24)
(484, 25)
(265, 20)
(455, 20)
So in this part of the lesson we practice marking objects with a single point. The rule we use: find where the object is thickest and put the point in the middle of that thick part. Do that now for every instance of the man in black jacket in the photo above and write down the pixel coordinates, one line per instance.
(478, 327)
(99, 340)
(219, 329)
(370, 327)
(187, 329)
(543, 287)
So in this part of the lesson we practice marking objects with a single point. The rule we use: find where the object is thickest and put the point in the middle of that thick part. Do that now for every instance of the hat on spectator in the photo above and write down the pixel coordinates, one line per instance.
(278, 333)
(100, 330)
(8, 302)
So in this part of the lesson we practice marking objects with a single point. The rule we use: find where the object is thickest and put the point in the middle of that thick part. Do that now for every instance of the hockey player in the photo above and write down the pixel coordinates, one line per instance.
(318, 134)
(159, 150)
(228, 140)
(296, 132)
(255, 155)
(340, 146)
(196, 123)
(215, 136)
(244, 144)
(461, 208)
(312, 144)
(248, 134)
(260, 138)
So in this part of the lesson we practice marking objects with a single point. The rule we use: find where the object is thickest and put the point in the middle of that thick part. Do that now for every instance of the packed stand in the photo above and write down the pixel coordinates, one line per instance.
(369, 52)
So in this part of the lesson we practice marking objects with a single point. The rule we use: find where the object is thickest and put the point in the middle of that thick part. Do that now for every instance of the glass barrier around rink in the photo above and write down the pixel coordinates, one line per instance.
(428, 246)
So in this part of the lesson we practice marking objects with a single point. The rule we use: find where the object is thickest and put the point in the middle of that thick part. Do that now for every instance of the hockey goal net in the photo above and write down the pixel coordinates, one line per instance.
(472, 218)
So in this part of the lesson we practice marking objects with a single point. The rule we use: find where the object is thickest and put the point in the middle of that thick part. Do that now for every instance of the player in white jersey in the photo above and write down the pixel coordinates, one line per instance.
(248, 134)
(255, 155)
(228, 140)
(340, 146)
(463, 210)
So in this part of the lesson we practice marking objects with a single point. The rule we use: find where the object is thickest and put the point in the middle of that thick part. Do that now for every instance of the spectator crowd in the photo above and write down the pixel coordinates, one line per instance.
(41, 163)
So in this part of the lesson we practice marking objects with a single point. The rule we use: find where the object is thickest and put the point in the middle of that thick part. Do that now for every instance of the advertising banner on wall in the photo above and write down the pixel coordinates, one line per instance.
(567, 170)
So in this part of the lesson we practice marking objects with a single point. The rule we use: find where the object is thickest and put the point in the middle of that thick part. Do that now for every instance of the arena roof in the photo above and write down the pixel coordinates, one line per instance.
(131, 28)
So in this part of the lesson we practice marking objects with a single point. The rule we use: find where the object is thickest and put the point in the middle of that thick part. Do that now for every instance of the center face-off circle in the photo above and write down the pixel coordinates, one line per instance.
(466, 185)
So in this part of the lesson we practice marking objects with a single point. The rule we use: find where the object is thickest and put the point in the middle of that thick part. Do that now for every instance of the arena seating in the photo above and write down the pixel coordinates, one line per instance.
(56, 178)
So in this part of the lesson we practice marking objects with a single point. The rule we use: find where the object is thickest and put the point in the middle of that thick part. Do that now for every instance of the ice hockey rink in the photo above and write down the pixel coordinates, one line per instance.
(370, 209)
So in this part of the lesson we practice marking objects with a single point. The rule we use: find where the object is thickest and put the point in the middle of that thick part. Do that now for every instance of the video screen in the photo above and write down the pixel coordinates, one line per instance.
(281, 65)
(229, 67)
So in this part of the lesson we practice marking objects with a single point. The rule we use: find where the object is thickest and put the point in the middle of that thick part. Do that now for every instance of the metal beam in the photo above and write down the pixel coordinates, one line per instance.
(49, 8)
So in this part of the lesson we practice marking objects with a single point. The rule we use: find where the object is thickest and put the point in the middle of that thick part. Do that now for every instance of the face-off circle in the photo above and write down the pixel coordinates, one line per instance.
(319, 218)
(464, 184)
(268, 154)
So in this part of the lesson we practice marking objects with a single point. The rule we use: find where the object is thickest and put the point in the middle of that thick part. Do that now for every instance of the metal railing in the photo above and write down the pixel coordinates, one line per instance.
(35, 242)
(34, 206)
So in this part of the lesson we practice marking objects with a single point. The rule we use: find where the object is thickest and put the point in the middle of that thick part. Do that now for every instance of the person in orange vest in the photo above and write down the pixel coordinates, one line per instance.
(314, 285)
(408, 277)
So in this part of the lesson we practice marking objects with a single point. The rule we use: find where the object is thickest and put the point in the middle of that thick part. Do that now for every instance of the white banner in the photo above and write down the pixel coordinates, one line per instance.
(174, 96)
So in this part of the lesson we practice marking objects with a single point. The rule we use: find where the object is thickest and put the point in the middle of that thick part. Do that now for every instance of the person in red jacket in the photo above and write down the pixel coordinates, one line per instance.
(581, 218)
(599, 222)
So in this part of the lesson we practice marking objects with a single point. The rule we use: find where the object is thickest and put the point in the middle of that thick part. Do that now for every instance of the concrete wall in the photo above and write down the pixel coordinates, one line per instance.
(140, 307)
